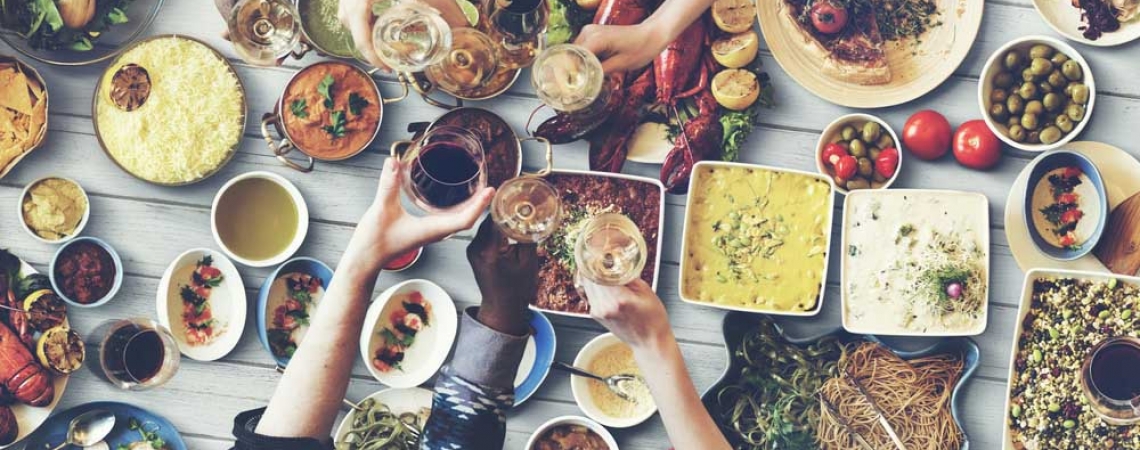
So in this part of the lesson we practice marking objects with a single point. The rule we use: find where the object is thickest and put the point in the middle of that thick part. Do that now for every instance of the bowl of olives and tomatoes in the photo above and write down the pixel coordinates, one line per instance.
(1036, 93)
(859, 151)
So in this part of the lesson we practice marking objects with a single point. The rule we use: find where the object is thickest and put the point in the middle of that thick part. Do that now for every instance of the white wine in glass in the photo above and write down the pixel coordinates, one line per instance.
(610, 250)
(409, 36)
(527, 209)
(264, 31)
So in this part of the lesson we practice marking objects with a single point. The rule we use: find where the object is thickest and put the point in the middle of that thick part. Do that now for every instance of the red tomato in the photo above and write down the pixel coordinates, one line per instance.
(828, 17)
(832, 152)
(975, 146)
(1072, 172)
(1068, 240)
(1071, 216)
(1067, 198)
(846, 167)
(927, 135)
(887, 162)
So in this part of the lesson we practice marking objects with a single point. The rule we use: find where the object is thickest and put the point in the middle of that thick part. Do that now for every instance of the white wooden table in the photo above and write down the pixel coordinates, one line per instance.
(151, 225)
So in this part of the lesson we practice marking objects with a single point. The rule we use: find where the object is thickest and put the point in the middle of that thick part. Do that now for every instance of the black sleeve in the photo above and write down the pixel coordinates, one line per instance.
(247, 439)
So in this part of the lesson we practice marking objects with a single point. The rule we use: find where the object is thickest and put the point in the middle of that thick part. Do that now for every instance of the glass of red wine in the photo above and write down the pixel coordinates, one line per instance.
(1110, 382)
(444, 168)
(135, 354)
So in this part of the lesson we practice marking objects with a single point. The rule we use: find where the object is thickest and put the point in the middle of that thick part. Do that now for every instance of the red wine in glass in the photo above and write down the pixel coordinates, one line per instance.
(446, 174)
(136, 354)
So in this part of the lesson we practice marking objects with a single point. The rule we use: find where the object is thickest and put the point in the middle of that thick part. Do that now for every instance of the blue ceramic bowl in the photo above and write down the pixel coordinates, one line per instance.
(737, 324)
(54, 431)
(299, 264)
(118, 283)
(1042, 166)
(545, 343)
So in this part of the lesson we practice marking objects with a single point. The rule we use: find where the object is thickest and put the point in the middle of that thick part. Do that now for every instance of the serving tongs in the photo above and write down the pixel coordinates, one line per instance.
(875, 407)
(833, 412)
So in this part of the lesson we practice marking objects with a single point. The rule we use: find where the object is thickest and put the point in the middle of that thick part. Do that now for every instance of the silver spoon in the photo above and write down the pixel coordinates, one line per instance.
(614, 383)
(89, 428)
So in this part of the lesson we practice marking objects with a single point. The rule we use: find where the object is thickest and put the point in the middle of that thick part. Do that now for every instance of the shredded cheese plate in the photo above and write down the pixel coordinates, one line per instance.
(190, 123)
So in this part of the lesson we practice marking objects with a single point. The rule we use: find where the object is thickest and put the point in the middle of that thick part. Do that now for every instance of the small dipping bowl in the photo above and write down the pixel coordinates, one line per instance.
(404, 261)
(302, 264)
(78, 228)
(580, 386)
(1040, 167)
(115, 285)
(832, 134)
(302, 219)
(572, 420)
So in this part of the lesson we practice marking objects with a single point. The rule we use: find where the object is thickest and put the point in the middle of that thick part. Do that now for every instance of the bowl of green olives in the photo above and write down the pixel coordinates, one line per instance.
(1036, 93)
(859, 151)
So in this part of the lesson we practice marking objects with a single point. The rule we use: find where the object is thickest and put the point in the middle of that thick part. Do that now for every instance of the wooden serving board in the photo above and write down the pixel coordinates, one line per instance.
(1119, 247)
(915, 69)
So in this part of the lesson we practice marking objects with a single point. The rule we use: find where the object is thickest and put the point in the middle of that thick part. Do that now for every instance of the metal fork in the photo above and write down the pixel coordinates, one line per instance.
(614, 383)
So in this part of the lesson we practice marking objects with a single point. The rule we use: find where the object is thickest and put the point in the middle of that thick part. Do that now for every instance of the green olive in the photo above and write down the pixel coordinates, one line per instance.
(1027, 91)
(1053, 102)
(1080, 94)
(1029, 121)
(999, 95)
(857, 183)
(857, 148)
(875, 152)
(1013, 60)
(1050, 135)
(1003, 80)
(1028, 75)
(1041, 67)
(1013, 120)
(1059, 58)
(1044, 87)
(1075, 112)
(1033, 137)
(998, 112)
(1057, 79)
(1017, 133)
(1040, 51)
(871, 131)
(885, 142)
(1015, 104)
(848, 133)
(1034, 107)
(1072, 70)
(866, 168)
(1064, 123)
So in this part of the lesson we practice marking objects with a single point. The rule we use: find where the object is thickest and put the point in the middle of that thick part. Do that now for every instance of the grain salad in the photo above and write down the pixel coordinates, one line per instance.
(1067, 317)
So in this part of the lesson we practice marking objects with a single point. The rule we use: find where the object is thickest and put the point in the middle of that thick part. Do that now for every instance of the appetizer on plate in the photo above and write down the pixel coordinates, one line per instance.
(408, 332)
(293, 300)
(197, 315)
(411, 315)
(915, 262)
(1062, 198)
(1105, 16)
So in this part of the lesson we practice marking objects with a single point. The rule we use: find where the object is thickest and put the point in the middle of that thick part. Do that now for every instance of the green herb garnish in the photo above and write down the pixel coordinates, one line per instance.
(336, 127)
(300, 108)
(325, 88)
(356, 103)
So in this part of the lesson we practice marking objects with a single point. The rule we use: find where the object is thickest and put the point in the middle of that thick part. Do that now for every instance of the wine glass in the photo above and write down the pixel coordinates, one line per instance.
(135, 354)
(1108, 380)
(517, 27)
(610, 250)
(411, 36)
(264, 31)
(446, 167)
(568, 78)
(469, 64)
(527, 209)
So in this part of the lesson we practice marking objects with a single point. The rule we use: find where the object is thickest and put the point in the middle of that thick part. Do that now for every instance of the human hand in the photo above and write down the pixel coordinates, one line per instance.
(632, 312)
(357, 17)
(387, 230)
(622, 48)
(225, 8)
(507, 276)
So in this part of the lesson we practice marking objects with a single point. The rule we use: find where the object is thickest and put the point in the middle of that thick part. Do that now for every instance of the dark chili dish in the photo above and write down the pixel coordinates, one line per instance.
(85, 272)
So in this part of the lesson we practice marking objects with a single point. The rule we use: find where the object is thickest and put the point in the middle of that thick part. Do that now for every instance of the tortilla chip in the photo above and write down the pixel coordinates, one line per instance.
(8, 153)
(7, 121)
(38, 123)
(14, 91)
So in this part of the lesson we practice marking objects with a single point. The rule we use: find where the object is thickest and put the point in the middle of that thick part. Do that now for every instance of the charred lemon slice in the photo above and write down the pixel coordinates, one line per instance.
(734, 16)
(45, 310)
(735, 89)
(737, 50)
(61, 350)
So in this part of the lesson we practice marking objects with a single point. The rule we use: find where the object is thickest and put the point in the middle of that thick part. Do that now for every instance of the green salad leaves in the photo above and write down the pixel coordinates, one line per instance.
(41, 22)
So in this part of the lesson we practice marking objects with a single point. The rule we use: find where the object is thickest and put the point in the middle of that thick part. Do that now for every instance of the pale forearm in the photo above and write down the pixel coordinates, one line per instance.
(687, 422)
(673, 16)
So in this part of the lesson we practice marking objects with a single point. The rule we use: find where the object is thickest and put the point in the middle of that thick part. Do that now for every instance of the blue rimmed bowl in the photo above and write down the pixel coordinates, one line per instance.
(537, 358)
(302, 264)
(736, 325)
(54, 431)
(115, 285)
(1040, 168)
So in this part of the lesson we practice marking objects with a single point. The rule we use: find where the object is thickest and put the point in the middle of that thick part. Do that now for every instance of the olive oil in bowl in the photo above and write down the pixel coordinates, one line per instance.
(257, 219)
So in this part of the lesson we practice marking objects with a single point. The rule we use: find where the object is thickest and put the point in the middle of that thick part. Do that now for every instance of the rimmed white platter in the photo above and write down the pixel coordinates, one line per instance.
(1066, 20)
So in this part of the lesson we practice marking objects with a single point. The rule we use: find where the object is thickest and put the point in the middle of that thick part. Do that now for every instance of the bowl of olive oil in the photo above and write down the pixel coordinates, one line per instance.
(259, 219)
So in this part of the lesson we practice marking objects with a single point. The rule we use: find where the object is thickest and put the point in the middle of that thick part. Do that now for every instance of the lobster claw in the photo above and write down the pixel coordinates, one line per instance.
(676, 169)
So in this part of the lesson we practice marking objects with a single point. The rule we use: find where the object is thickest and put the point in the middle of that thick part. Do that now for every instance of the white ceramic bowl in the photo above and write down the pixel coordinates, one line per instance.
(302, 219)
(399, 401)
(227, 303)
(986, 86)
(580, 386)
(78, 228)
(432, 344)
(572, 420)
(831, 134)
(115, 285)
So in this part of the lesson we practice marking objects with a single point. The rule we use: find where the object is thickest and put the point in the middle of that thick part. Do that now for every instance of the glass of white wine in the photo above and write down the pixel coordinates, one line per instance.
(470, 63)
(610, 251)
(568, 78)
(410, 36)
(527, 209)
(264, 31)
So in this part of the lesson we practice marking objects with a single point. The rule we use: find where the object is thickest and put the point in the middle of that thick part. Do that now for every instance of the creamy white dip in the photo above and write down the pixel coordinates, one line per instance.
(1087, 201)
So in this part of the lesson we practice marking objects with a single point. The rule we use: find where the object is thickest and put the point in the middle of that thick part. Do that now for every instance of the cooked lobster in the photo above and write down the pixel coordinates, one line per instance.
(11, 311)
(9, 429)
(20, 374)
(700, 139)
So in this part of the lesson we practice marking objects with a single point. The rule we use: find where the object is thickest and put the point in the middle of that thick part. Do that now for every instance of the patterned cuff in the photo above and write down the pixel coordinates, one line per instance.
(245, 426)
(486, 357)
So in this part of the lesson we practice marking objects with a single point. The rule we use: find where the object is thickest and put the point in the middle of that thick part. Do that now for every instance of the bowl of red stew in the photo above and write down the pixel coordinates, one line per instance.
(86, 272)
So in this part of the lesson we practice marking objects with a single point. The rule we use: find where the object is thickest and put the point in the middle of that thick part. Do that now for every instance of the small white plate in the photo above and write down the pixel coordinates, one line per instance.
(227, 301)
(399, 401)
(650, 143)
(432, 344)
(1121, 173)
(1066, 20)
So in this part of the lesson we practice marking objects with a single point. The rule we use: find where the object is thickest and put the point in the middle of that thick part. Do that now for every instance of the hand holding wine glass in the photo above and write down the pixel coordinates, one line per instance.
(357, 16)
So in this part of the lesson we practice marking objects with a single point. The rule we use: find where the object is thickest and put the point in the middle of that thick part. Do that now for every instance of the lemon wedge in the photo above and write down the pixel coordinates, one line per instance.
(61, 350)
(734, 16)
(737, 50)
(735, 89)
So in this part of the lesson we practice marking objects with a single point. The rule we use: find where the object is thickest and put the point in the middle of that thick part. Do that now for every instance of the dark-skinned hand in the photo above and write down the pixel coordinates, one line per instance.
(507, 276)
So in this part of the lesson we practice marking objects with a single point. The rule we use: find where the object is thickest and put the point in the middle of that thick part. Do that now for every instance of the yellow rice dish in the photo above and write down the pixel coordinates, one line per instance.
(186, 120)
(756, 239)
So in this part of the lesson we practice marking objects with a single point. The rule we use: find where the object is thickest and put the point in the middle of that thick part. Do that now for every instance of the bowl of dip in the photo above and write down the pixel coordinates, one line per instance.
(583, 433)
(54, 210)
(86, 272)
(259, 219)
(606, 356)
(1066, 205)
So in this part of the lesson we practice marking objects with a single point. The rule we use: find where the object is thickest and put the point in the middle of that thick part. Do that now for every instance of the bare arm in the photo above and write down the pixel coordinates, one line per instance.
(624, 48)
(309, 395)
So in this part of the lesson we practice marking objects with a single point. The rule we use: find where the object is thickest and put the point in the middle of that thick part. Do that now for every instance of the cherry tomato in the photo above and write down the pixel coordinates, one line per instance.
(846, 167)
(1072, 172)
(927, 135)
(828, 17)
(1071, 216)
(887, 162)
(832, 152)
(975, 146)
(1067, 198)
(1068, 240)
